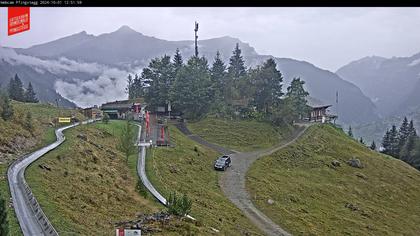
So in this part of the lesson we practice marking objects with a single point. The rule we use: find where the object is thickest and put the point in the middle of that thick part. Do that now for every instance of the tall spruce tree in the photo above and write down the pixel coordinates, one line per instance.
(178, 62)
(298, 96)
(268, 87)
(218, 77)
(361, 140)
(403, 133)
(30, 95)
(407, 149)
(191, 92)
(16, 91)
(236, 67)
(138, 87)
(386, 143)
(160, 73)
(393, 142)
(411, 129)
(130, 88)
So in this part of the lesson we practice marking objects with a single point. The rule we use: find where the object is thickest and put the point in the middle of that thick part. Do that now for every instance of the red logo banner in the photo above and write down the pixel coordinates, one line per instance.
(18, 20)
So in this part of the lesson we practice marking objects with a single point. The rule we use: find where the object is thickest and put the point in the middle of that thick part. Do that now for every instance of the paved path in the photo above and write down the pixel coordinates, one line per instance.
(232, 181)
(32, 219)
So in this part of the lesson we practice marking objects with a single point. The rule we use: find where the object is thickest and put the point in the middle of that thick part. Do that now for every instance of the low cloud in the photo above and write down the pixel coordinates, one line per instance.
(107, 87)
(106, 83)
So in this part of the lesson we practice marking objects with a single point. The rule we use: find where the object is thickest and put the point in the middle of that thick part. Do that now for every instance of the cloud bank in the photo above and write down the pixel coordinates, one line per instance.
(104, 84)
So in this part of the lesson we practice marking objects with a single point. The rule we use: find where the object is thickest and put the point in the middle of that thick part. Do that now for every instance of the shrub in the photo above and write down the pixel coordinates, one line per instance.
(105, 119)
(141, 189)
(179, 206)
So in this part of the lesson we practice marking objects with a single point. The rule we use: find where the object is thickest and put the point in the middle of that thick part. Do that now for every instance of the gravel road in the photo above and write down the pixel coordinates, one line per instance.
(233, 179)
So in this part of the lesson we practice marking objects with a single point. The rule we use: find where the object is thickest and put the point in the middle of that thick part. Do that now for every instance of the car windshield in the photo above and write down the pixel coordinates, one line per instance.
(220, 161)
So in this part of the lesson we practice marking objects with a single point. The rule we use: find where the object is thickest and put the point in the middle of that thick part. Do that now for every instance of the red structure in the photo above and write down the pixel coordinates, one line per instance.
(147, 123)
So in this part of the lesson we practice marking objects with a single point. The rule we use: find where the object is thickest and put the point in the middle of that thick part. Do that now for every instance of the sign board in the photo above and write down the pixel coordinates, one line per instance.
(161, 109)
(64, 119)
(127, 232)
(18, 20)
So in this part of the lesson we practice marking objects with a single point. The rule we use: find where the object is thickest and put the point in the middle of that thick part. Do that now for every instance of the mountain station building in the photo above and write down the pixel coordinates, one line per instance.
(321, 114)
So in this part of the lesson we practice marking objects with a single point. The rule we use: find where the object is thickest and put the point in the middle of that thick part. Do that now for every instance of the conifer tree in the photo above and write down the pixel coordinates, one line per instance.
(178, 62)
(386, 143)
(403, 133)
(361, 140)
(411, 129)
(392, 142)
(298, 96)
(268, 86)
(191, 92)
(236, 67)
(373, 145)
(129, 89)
(350, 132)
(218, 81)
(30, 95)
(15, 89)
(160, 73)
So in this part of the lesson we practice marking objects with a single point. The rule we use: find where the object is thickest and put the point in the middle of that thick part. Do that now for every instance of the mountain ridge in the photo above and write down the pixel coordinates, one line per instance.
(389, 82)
(129, 50)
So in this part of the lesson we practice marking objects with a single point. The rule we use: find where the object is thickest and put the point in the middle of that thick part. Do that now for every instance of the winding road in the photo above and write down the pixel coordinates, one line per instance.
(32, 219)
(233, 179)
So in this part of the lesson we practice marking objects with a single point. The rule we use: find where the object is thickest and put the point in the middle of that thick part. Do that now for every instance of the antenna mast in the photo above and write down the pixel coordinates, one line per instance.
(196, 37)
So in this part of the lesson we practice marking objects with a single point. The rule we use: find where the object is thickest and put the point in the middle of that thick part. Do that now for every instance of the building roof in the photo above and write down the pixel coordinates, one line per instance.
(320, 107)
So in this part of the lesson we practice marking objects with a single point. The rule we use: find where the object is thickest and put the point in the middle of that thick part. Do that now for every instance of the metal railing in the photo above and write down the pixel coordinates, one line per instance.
(39, 214)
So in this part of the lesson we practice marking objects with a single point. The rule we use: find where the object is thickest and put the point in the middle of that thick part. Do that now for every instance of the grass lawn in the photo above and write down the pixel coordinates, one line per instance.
(239, 135)
(313, 198)
(188, 168)
(90, 185)
(42, 135)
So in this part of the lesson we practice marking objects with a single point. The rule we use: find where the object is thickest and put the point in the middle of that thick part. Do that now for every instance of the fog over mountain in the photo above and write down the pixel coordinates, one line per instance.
(93, 69)
(393, 84)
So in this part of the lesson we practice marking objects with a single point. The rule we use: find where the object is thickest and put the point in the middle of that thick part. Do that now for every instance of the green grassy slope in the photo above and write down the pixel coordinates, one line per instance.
(90, 185)
(242, 135)
(16, 140)
(185, 170)
(313, 198)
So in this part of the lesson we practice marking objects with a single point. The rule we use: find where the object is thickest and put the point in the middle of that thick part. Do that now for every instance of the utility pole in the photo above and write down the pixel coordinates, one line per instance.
(196, 37)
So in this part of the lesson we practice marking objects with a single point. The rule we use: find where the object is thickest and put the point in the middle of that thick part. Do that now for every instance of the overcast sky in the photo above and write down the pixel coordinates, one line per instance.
(326, 37)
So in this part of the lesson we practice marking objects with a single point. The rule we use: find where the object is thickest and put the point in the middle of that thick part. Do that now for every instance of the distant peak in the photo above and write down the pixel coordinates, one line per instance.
(82, 33)
(125, 28)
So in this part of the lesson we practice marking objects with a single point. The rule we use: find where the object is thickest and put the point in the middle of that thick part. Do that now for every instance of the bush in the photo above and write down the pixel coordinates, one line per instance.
(141, 189)
(105, 119)
(6, 107)
(29, 122)
(179, 206)
(4, 224)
